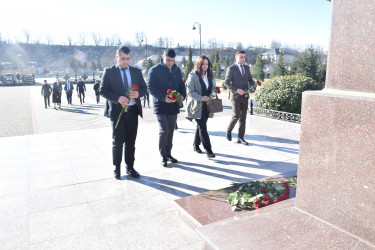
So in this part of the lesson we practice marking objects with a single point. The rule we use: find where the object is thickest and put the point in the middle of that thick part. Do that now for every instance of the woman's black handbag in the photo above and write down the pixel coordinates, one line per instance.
(215, 106)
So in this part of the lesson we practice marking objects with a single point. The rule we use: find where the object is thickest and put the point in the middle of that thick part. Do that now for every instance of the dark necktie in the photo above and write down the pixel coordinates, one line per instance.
(126, 85)
(242, 71)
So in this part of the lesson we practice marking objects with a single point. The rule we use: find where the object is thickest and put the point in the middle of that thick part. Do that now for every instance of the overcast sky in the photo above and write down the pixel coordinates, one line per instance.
(255, 22)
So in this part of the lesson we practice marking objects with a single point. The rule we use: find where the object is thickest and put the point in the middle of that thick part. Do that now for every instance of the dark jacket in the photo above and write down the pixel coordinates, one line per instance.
(234, 80)
(97, 88)
(159, 80)
(46, 90)
(81, 87)
(112, 88)
(57, 89)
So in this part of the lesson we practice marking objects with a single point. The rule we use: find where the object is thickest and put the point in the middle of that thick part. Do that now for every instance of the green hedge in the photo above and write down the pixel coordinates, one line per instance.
(284, 93)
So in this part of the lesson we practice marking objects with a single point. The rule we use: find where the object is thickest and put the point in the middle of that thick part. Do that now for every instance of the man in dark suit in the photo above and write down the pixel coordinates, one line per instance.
(116, 81)
(239, 81)
(69, 91)
(81, 88)
(46, 92)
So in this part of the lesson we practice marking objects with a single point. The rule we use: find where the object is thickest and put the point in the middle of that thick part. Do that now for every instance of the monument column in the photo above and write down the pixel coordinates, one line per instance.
(336, 172)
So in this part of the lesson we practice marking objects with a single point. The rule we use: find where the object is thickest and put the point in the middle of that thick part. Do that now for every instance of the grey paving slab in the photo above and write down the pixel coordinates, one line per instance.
(56, 181)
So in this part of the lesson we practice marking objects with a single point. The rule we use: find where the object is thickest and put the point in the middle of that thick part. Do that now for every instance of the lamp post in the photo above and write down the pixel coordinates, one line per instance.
(145, 46)
(200, 36)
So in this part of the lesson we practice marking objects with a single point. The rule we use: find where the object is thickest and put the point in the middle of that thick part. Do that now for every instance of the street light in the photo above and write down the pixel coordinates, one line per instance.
(145, 46)
(200, 37)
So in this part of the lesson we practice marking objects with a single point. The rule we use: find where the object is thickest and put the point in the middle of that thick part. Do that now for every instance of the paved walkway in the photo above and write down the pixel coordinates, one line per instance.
(57, 189)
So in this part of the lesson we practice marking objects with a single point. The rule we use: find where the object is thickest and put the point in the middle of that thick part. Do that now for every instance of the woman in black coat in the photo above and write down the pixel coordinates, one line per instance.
(56, 93)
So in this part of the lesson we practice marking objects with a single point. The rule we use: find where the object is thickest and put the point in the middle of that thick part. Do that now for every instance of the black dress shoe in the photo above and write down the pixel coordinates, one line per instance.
(164, 161)
(117, 174)
(210, 155)
(242, 141)
(132, 172)
(170, 158)
(198, 150)
(229, 135)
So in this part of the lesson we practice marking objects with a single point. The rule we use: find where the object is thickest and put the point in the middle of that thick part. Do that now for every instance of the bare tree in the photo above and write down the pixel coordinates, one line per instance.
(38, 38)
(82, 38)
(69, 37)
(275, 44)
(239, 46)
(139, 35)
(116, 40)
(160, 42)
(49, 39)
(212, 44)
(108, 41)
(195, 44)
(26, 33)
(97, 37)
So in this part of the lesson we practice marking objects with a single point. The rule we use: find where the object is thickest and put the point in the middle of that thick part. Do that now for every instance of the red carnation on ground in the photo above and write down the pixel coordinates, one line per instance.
(275, 201)
(266, 203)
(259, 83)
(263, 189)
(173, 97)
(257, 201)
(169, 91)
(256, 205)
(267, 197)
(218, 90)
(286, 184)
(135, 86)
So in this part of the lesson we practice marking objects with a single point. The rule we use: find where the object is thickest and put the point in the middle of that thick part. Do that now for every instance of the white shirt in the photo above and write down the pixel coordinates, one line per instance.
(239, 66)
(205, 79)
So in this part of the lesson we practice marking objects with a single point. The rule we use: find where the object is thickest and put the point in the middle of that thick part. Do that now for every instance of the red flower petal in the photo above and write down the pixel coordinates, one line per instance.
(169, 91)
(218, 90)
(135, 86)
(174, 97)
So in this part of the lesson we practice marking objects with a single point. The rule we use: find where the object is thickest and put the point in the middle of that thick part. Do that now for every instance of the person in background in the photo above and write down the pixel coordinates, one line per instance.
(97, 91)
(146, 97)
(200, 85)
(46, 93)
(81, 88)
(56, 94)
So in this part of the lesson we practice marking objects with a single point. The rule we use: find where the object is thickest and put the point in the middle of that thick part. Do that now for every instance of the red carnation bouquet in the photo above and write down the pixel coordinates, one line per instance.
(175, 96)
(125, 107)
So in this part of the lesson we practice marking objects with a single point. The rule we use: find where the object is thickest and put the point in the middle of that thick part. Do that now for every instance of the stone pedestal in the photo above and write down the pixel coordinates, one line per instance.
(336, 171)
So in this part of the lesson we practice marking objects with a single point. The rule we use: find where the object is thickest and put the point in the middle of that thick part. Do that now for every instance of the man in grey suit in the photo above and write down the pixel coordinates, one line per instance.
(239, 81)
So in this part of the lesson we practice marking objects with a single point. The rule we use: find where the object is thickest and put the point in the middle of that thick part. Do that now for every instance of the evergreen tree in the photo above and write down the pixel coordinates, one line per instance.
(216, 59)
(189, 64)
(280, 69)
(218, 71)
(251, 59)
(147, 64)
(183, 61)
(259, 73)
(309, 64)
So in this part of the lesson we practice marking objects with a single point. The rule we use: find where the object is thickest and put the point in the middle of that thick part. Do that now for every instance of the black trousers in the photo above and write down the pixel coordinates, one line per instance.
(166, 130)
(146, 96)
(201, 134)
(82, 95)
(97, 98)
(46, 100)
(69, 97)
(125, 133)
(239, 112)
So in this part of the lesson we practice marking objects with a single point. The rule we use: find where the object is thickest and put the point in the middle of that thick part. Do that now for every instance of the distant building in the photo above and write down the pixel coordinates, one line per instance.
(274, 55)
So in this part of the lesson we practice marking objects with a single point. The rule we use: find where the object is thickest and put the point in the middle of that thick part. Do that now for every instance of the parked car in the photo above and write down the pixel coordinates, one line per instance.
(9, 78)
(28, 79)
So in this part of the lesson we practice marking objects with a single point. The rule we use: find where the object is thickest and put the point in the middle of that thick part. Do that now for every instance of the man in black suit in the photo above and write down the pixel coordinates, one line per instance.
(81, 88)
(114, 87)
(69, 91)
(239, 81)
(46, 92)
